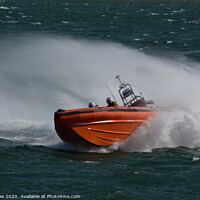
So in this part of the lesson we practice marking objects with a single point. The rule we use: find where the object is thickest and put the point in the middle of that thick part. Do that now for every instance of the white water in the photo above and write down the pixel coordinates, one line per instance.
(40, 75)
(168, 129)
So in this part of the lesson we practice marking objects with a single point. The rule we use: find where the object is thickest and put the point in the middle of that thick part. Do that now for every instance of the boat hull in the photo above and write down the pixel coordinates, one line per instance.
(100, 127)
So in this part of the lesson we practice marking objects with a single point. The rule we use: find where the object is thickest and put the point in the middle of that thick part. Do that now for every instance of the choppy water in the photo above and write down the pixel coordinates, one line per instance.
(61, 54)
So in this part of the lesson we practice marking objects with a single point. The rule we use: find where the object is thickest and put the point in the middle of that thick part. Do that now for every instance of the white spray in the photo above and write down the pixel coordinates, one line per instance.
(40, 75)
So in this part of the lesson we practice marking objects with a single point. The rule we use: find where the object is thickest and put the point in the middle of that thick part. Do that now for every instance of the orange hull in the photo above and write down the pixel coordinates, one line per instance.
(104, 126)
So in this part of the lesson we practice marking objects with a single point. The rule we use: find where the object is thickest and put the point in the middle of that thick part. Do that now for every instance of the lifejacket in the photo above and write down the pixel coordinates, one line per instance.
(113, 104)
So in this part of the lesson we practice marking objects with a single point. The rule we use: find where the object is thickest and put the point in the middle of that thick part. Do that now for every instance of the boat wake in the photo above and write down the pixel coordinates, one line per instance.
(40, 75)
(23, 132)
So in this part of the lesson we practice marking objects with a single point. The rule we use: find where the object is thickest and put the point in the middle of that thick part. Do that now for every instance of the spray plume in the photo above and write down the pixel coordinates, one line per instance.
(40, 75)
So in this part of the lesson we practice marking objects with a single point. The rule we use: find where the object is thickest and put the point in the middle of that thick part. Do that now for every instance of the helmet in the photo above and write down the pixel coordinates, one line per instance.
(91, 105)
(109, 100)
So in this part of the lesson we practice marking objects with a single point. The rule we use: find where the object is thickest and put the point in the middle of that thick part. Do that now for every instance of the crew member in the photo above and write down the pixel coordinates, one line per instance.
(111, 103)
(91, 105)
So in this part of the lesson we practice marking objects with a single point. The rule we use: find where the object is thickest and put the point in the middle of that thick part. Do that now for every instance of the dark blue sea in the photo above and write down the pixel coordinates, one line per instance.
(62, 54)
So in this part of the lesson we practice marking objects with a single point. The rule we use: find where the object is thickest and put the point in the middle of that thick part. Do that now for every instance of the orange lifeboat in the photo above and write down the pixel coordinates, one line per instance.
(104, 126)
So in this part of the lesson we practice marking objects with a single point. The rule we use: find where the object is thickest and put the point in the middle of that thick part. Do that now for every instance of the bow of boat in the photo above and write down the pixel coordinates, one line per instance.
(100, 126)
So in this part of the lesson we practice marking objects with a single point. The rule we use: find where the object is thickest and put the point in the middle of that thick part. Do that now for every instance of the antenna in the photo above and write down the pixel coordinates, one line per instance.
(111, 92)
(122, 84)
(118, 77)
